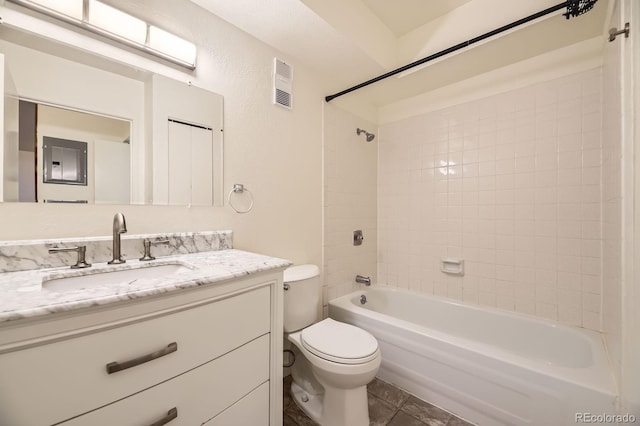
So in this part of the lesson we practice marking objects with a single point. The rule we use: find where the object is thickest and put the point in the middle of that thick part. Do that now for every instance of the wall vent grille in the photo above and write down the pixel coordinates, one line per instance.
(282, 83)
(283, 98)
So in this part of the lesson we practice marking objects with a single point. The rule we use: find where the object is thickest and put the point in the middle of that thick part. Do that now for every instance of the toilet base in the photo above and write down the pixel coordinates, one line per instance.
(336, 408)
(310, 404)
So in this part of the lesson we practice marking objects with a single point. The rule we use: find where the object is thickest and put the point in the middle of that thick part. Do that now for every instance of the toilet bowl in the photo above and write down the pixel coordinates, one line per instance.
(341, 359)
(334, 361)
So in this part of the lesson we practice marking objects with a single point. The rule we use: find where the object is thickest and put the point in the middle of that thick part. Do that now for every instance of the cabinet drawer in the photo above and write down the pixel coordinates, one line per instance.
(252, 410)
(69, 377)
(196, 396)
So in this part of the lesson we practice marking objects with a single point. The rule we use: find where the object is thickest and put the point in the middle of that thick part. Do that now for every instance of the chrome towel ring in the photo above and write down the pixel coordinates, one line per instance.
(239, 188)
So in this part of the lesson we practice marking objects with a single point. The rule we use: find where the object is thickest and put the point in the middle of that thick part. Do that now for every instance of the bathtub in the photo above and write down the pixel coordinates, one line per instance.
(487, 366)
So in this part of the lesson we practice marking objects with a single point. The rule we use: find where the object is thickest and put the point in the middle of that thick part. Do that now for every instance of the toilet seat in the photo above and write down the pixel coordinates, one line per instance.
(339, 342)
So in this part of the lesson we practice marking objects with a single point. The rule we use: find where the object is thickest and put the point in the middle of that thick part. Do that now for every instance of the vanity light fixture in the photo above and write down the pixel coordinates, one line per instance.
(110, 22)
(69, 8)
(116, 22)
(171, 45)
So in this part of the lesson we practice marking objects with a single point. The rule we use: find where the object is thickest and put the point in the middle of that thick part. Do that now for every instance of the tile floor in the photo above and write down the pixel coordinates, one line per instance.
(388, 406)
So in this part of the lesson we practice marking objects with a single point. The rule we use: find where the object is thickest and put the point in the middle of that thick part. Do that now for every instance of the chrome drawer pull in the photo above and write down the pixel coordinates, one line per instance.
(114, 367)
(171, 414)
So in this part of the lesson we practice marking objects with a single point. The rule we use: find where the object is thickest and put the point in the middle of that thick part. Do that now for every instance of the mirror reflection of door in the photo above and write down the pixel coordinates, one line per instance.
(190, 158)
(108, 155)
(27, 152)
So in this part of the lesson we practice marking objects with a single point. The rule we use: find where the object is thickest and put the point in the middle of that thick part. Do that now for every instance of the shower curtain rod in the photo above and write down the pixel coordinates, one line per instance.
(456, 47)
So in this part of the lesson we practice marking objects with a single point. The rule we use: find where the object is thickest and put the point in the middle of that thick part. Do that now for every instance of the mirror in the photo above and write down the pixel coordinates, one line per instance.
(149, 139)
(84, 157)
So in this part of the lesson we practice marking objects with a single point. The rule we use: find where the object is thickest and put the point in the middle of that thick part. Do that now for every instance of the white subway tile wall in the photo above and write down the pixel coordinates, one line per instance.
(350, 203)
(511, 184)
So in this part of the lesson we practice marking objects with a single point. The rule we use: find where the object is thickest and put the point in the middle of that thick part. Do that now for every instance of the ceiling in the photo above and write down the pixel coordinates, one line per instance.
(404, 16)
(351, 41)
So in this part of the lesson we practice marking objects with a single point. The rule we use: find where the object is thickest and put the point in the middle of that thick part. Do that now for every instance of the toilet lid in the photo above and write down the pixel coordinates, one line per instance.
(300, 272)
(339, 342)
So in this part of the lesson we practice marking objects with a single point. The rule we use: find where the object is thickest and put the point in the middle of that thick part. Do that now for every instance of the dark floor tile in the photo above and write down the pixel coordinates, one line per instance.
(403, 419)
(286, 400)
(387, 392)
(288, 421)
(380, 412)
(298, 415)
(456, 421)
(388, 406)
(286, 393)
(425, 412)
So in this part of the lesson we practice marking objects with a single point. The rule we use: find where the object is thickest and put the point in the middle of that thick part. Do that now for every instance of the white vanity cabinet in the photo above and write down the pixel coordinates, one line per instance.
(195, 396)
(247, 411)
(208, 355)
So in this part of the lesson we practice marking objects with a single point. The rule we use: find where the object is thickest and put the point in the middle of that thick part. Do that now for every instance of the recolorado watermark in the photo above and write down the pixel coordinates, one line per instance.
(605, 418)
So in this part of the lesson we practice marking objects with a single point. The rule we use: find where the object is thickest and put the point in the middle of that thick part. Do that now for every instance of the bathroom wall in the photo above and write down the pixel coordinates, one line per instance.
(275, 152)
(630, 387)
(350, 202)
(620, 201)
(511, 184)
(612, 199)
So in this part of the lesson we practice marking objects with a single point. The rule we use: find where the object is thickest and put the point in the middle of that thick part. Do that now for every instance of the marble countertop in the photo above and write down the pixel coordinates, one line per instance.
(25, 294)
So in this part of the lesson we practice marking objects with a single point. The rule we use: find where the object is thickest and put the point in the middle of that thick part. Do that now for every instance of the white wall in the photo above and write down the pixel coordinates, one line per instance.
(275, 152)
(631, 372)
(350, 202)
(554, 64)
(620, 198)
(612, 198)
(511, 184)
(112, 172)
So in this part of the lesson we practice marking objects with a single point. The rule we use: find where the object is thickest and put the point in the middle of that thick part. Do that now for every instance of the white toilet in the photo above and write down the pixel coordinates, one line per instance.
(334, 361)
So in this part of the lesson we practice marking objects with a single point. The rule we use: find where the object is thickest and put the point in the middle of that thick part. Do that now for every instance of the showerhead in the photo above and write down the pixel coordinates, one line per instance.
(370, 136)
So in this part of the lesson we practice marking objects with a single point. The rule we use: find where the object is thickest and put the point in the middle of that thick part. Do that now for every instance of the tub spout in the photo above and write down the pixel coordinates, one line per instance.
(363, 280)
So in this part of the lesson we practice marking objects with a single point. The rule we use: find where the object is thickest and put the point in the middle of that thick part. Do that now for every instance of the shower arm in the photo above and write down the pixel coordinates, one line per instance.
(458, 46)
(369, 136)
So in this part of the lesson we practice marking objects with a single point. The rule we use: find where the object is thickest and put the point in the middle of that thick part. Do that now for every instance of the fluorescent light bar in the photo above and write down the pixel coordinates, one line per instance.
(117, 22)
(110, 22)
(70, 8)
(172, 45)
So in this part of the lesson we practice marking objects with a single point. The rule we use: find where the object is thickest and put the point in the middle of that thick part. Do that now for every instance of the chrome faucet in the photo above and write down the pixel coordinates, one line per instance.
(119, 227)
(363, 280)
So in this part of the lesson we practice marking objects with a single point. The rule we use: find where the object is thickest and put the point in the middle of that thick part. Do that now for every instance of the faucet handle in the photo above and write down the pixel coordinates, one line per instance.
(147, 248)
(80, 261)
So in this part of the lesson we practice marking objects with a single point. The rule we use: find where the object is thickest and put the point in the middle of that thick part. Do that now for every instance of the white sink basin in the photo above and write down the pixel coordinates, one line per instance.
(106, 276)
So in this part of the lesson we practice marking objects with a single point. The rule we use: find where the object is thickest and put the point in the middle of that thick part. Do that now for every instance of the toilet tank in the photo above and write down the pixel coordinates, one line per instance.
(301, 296)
